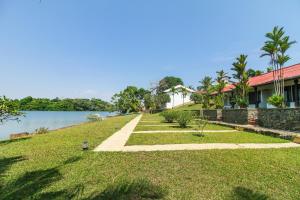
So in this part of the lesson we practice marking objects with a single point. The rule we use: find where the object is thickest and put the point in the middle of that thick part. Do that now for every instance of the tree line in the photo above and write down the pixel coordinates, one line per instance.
(44, 104)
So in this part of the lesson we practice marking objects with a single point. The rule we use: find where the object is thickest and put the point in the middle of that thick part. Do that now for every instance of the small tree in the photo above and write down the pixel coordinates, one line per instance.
(8, 110)
(196, 98)
(201, 122)
(242, 86)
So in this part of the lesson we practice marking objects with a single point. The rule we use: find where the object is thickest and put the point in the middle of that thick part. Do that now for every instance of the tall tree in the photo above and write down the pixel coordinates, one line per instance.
(168, 82)
(241, 76)
(275, 47)
(184, 93)
(128, 100)
(253, 73)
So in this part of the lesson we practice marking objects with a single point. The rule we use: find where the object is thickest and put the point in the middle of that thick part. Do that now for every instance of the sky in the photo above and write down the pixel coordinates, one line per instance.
(95, 48)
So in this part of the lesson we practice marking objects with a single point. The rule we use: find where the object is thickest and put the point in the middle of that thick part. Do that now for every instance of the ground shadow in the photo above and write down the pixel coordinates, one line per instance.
(140, 189)
(198, 134)
(4, 142)
(242, 193)
(31, 184)
(6, 163)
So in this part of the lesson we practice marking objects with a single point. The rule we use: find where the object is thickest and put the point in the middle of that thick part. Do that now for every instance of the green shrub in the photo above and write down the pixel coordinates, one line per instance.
(184, 118)
(276, 100)
(41, 130)
(94, 117)
(169, 115)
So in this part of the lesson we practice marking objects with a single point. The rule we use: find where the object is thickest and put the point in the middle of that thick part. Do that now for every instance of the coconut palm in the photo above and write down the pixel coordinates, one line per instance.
(207, 88)
(221, 81)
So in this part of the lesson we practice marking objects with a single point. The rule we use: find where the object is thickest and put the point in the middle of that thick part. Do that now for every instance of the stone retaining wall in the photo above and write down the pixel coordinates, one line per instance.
(283, 119)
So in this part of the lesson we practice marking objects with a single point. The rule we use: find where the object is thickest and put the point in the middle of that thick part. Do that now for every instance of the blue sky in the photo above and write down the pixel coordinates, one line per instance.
(94, 48)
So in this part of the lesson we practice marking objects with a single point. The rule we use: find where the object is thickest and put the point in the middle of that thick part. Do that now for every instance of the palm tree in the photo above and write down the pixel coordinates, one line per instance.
(221, 81)
(174, 91)
(184, 92)
(241, 75)
(207, 88)
(275, 47)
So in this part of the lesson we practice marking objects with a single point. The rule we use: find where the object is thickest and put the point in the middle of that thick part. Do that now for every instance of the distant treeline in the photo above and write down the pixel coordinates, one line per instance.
(44, 104)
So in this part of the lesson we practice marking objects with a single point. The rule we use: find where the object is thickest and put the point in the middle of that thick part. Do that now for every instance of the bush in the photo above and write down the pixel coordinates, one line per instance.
(276, 100)
(196, 98)
(41, 130)
(94, 117)
(184, 118)
(169, 115)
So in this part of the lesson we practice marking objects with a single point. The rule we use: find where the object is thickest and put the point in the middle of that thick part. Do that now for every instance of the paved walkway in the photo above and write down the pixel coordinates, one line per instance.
(117, 142)
(176, 147)
(187, 131)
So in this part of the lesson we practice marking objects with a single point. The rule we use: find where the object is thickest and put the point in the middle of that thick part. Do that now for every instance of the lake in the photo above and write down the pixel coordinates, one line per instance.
(48, 119)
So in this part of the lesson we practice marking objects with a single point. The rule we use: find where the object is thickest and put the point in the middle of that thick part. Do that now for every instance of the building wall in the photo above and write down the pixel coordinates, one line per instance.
(178, 100)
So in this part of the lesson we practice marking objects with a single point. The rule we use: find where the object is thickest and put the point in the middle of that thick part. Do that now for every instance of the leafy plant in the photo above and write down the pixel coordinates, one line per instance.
(94, 117)
(196, 98)
(8, 110)
(41, 130)
(184, 118)
(207, 88)
(201, 122)
(276, 100)
(169, 115)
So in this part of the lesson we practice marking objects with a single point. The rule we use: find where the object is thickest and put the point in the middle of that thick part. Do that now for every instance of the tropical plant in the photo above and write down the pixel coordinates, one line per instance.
(276, 100)
(41, 130)
(206, 89)
(184, 118)
(196, 98)
(94, 117)
(8, 110)
(275, 48)
(161, 99)
(241, 76)
(253, 73)
(184, 93)
(169, 115)
(201, 122)
(221, 81)
(173, 91)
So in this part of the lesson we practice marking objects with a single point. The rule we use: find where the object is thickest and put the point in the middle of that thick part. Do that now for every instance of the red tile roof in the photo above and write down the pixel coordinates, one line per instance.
(288, 73)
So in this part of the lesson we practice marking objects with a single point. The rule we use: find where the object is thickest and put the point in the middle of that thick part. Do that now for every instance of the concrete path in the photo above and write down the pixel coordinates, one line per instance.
(176, 147)
(117, 141)
(187, 131)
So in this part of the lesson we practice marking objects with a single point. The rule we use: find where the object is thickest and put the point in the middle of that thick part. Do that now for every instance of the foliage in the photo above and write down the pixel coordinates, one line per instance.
(169, 115)
(184, 118)
(168, 82)
(160, 100)
(128, 100)
(141, 189)
(94, 117)
(41, 130)
(196, 98)
(206, 89)
(149, 102)
(275, 47)
(221, 81)
(276, 100)
(174, 91)
(8, 110)
(44, 104)
(201, 122)
(253, 73)
(242, 85)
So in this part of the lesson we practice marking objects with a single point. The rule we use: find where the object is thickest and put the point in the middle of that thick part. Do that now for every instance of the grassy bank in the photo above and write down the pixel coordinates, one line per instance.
(53, 166)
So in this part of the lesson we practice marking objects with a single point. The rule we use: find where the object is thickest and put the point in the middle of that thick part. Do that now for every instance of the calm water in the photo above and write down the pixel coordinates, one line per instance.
(48, 119)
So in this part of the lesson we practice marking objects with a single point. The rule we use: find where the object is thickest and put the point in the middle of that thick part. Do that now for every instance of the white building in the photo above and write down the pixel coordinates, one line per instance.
(179, 97)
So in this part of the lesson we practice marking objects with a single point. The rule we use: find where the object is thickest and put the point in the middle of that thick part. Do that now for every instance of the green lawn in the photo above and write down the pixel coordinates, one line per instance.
(189, 107)
(53, 166)
(188, 138)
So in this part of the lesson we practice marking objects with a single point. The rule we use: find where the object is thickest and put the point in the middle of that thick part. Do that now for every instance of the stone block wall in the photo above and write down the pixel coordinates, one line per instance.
(282, 119)
(237, 116)
(285, 119)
